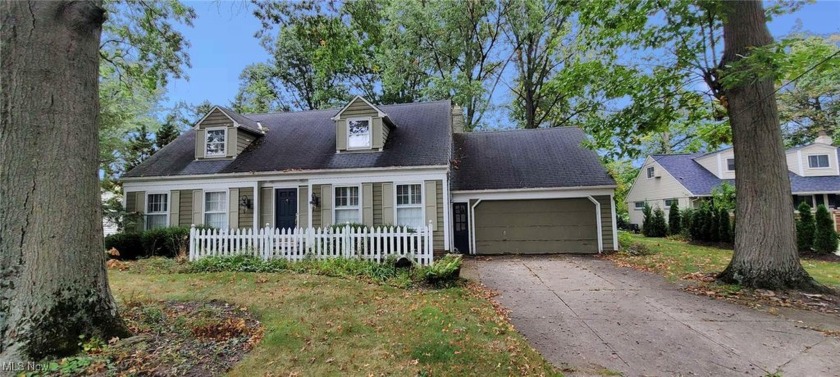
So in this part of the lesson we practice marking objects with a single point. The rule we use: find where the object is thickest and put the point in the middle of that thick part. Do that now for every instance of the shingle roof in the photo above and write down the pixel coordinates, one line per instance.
(306, 141)
(700, 181)
(538, 158)
(244, 122)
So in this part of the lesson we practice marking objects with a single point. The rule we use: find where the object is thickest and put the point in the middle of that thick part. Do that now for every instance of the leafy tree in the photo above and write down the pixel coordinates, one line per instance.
(658, 226)
(623, 172)
(674, 220)
(54, 285)
(805, 228)
(724, 227)
(723, 196)
(825, 236)
(258, 91)
(647, 218)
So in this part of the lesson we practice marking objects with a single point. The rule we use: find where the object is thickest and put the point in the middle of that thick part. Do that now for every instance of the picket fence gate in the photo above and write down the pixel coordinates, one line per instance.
(371, 243)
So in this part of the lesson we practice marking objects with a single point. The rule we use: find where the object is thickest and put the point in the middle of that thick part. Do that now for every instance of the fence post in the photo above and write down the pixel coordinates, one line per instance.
(192, 242)
(429, 247)
(345, 240)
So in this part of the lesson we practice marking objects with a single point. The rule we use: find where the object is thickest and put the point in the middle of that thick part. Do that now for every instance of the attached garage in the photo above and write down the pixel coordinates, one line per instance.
(536, 226)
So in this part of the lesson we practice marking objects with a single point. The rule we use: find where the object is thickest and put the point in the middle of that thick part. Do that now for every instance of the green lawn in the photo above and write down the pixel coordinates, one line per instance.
(675, 259)
(322, 326)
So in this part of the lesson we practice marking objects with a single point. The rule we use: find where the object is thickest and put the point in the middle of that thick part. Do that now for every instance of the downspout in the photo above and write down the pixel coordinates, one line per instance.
(614, 224)
(598, 222)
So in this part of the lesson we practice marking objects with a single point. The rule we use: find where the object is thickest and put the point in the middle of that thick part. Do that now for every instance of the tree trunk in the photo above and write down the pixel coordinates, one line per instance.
(765, 240)
(53, 282)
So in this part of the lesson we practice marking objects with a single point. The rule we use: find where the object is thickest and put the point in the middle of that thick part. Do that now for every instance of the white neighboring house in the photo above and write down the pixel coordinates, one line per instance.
(685, 179)
(108, 226)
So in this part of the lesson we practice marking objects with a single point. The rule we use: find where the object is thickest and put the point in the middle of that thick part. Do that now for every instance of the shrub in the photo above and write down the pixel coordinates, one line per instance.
(805, 227)
(637, 249)
(646, 220)
(686, 216)
(714, 226)
(127, 244)
(725, 230)
(674, 220)
(624, 239)
(658, 228)
(825, 237)
(165, 242)
(698, 220)
(444, 270)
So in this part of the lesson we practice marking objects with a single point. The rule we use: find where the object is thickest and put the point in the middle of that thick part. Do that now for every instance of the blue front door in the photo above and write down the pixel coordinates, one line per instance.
(285, 208)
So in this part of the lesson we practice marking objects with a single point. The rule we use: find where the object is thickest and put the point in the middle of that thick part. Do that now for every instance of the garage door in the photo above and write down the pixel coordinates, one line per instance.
(536, 226)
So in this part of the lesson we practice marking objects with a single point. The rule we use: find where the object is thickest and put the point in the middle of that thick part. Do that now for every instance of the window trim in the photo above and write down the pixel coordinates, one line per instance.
(370, 133)
(358, 207)
(675, 200)
(827, 158)
(422, 204)
(146, 210)
(224, 144)
(650, 172)
(637, 208)
(733, 164)
(204, 212)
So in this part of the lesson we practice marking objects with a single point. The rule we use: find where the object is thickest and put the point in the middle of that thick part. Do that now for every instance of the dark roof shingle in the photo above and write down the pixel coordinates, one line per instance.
(541, 158)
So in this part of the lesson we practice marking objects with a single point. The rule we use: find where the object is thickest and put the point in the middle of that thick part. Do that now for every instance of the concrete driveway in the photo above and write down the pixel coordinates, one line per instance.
(590, 317)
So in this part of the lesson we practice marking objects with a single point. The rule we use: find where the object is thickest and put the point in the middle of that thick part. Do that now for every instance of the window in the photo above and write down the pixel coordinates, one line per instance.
(347, 205)
(358, 133)
(650, 172)
(639, 205)
(157, 210)
(671, 202)
(215, 209)
(215, 142)
(410, 206)
(818, 161)
(730, 164)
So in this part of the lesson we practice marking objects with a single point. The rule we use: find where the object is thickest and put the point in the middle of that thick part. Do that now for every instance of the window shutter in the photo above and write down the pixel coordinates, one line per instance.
(230, 143)
(388, 203)
(376, 133)
(200, 146)
(141, 207)
(198, 205)
(174, 207)
(367, 204)
(266, 206)
(341, 135)
(430, 201)
(326, 205)
(233, 208)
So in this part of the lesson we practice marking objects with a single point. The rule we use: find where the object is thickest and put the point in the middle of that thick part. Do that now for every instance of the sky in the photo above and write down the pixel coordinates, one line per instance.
(223, 43)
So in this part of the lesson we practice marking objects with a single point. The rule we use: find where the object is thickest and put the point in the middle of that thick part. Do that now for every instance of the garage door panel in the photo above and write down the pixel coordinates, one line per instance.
(536, 226)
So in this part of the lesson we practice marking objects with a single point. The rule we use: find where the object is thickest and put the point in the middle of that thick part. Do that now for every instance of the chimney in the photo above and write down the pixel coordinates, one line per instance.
(457, 120)
(823, 138)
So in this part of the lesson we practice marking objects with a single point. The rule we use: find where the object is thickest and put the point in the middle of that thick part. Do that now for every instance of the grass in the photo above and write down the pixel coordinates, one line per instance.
(321, 325)
(675, 259)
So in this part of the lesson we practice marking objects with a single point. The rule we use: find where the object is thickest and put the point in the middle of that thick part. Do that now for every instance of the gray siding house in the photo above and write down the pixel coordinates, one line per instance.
(534, 191)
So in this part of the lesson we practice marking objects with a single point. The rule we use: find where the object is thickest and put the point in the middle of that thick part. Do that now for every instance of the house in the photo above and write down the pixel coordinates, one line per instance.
(535, 191)
(686, 179)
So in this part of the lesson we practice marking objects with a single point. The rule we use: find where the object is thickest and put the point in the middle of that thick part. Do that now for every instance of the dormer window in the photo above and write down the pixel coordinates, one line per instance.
(358, 133)
(818, 161)
(215, 142)
(730, 164)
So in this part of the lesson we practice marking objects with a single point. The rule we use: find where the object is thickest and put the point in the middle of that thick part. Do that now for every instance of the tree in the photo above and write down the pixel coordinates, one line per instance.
(712, 224)
(674, 220)
(168, 132)
(54, 282)
(698, 224)
(725, 229)
(765, 241)
(140, 147)
(825, 236)
(647, 220)
(805, 228)
(658, 226)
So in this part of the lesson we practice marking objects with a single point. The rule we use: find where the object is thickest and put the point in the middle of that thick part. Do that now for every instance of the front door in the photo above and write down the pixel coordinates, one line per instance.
(461, 226)
(285, 208)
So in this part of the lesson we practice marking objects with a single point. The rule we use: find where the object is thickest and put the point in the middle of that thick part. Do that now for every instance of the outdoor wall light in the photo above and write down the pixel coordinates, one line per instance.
(316, 201)
(246, 203)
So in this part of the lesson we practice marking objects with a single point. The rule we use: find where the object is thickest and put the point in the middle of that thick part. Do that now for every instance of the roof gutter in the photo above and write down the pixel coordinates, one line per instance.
(280, 172)
(532, 189)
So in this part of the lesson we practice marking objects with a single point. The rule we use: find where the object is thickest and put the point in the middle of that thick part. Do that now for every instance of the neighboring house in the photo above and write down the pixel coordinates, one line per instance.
(534, 191)
(686, 179)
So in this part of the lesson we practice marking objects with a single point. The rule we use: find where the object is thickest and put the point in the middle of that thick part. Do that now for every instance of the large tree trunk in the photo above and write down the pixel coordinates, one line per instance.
(765, 240)
(53, 283)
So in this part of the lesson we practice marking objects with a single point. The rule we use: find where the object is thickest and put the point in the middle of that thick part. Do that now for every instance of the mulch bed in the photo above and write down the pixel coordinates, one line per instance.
(819, 256)
(177, 339)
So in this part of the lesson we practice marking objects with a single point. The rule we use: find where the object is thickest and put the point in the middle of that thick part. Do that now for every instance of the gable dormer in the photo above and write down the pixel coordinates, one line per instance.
(720, 163)
(223, 133)
(360, 126)
(814, 160)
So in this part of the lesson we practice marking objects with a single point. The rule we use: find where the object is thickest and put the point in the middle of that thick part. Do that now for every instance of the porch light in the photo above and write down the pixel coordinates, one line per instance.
(316, 201)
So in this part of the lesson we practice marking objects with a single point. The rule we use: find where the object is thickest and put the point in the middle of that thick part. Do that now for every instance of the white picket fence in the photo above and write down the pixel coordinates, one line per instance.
(372, 243)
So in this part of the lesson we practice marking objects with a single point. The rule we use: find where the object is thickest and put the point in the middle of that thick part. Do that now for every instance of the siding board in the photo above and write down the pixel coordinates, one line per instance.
(186, 208)
(377, 204)
(246, 216)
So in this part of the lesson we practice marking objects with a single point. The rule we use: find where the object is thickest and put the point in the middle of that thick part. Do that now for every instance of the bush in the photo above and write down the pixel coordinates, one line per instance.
(698, 220)
(825, 236)
(165, 242)
(724, 229)
(646, 220)
(624, 239)
(444, 270)
(658, 228)
(714, 226)
(805, 227)
(686, 216)
(674, 220)
(128, 245)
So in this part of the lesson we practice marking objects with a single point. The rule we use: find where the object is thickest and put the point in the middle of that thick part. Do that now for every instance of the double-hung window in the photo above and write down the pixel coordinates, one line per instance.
(639, 205)
(157, 207)
(410, 206)
(215, 139)
(215, 209)
(818, 161)
(347, 205)
(650, 172)
(358, 133)
(730, 164)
